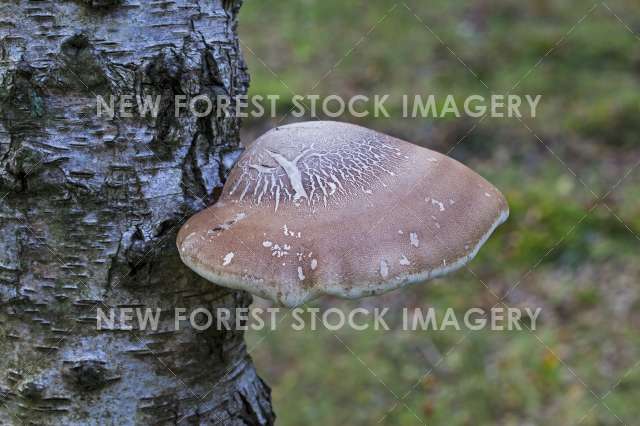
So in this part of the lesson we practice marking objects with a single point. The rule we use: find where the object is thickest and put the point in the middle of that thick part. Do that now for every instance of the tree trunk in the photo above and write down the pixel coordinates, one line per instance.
(90, 207)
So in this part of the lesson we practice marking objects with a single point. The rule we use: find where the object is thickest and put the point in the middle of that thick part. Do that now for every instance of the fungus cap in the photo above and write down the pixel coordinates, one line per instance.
(333, 208)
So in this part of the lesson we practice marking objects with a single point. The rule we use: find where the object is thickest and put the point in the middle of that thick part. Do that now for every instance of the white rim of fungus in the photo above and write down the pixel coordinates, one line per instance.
(357, 291)
(297, 295)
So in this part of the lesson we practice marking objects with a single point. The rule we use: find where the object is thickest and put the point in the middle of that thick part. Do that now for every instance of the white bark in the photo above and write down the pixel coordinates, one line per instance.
(90, 208)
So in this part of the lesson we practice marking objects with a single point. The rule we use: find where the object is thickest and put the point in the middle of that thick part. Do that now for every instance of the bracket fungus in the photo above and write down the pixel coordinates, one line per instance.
(333, 208)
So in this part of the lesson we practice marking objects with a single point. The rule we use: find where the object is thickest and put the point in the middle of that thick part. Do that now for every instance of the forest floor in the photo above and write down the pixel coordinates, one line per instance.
(570, 246)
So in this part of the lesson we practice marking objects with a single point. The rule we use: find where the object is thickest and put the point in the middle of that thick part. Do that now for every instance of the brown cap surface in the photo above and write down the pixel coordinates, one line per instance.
(333, 208)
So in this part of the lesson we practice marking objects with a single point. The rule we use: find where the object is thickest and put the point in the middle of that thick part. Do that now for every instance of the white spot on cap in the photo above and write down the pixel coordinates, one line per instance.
(384, 268)
(267, 243)
(300, 273)
(440, 204)
(227, 258)
(289, 233)
(404, 261)
(413, 237)
(278, 251)
(314, 264)
(487, 195)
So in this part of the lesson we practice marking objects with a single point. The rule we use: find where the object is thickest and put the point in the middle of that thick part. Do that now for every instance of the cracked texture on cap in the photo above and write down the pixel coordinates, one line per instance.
(333, 208)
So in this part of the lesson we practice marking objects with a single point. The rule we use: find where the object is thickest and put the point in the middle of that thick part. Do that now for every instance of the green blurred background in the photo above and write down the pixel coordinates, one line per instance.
(570, 246)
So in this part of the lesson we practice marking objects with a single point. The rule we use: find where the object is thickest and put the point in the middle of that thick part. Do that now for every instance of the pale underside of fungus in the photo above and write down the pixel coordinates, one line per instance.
(333, 208)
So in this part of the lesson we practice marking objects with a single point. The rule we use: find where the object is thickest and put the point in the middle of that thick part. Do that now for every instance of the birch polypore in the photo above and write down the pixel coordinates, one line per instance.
(332, 208)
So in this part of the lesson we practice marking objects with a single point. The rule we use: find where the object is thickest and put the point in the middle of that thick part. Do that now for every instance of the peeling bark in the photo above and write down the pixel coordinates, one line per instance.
(89, 210)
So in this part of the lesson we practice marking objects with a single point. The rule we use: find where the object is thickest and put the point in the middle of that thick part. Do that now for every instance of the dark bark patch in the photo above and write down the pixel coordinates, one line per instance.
(82, 69)
(32, 390)
(19, 164)
(86, 375)
(22, 99)
(101, 4)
